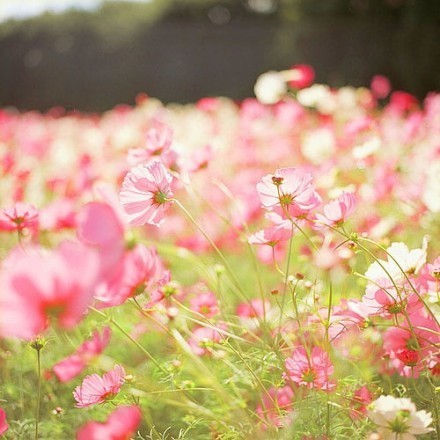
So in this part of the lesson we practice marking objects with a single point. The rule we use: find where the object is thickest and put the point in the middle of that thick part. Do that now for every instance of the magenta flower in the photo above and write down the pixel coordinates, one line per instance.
(18, 217)
(290, 189)
(311, 369)
(3, 425)
(96, 389)
(73, 365)
(120, 425)
(410, 347)
(146, 193)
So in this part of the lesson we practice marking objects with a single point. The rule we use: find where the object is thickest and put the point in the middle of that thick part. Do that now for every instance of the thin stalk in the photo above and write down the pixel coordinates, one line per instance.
(37, 414)
(128, 336)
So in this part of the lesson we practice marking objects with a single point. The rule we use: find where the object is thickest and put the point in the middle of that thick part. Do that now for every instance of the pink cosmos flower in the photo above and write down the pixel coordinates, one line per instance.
(60, 214)
(146, 194)
(96, 389)
(272, 235)
(73, 365)
(3, 425)
(276, 407)
(252, 309)
(158, 142)
(100, 227)
(37, 284)
(310, 369)
(203, 339)
(205, 303)
(288, 189)
(18, 217)
(141, 270)
(337, 211)
(120, 425)
(410, 347)
(358, 403)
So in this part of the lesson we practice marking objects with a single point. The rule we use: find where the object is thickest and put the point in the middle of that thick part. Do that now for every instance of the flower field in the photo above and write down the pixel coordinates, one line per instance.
(264, 269)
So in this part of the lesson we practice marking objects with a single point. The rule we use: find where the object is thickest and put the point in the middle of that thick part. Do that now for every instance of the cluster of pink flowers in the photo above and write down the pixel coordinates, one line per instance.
(263, 243)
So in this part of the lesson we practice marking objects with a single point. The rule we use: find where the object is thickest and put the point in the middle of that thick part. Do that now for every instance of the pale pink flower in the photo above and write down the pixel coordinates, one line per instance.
(37, 285)
(203, 339)
(252, 309)
(99, 226)
(146, 194)
(3, 424)
(18, 217)
(311, 369)
(289, 189)
(205, 303)
(120, 425)
(276, 407)
(158, 142)
(73, 365)
(60, 214)
(337, 211)
(96, 389)
(272, 235)
(141, 270)
(384, 299)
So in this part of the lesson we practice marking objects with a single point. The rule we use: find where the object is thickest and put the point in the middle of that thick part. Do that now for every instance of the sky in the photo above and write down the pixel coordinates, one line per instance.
(28, 8)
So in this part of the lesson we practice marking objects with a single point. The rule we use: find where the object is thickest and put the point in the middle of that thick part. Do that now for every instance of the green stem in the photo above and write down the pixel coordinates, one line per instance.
(128, 336)
(37, 414)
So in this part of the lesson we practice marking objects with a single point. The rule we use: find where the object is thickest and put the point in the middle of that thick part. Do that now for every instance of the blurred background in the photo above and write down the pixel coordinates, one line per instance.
(91, 55)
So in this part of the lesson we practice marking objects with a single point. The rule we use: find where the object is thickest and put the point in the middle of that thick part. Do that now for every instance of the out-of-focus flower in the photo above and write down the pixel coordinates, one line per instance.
(205, 303)
(203, 339)
(100, 227)
(270, 87)
(319, 145)
(358, 403)
(159, 141)
(3, 425)
(18, 217)
(38, 285)
(398, 418)
(272, 235)
(311, 368)
(380, 86)
(120, 425)
(141, 270)
(146, 194)
(337, 211)
(411, 345)
(73, 365)
(301, 76)
(276, 407)
(96, 389)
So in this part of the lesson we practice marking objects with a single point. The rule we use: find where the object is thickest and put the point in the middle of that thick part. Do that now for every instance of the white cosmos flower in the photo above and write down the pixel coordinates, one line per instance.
(398, 418)
(270, 87)
(410, 262)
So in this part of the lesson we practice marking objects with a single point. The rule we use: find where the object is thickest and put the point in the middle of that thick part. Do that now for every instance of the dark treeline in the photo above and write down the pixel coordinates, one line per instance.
(180, 51)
